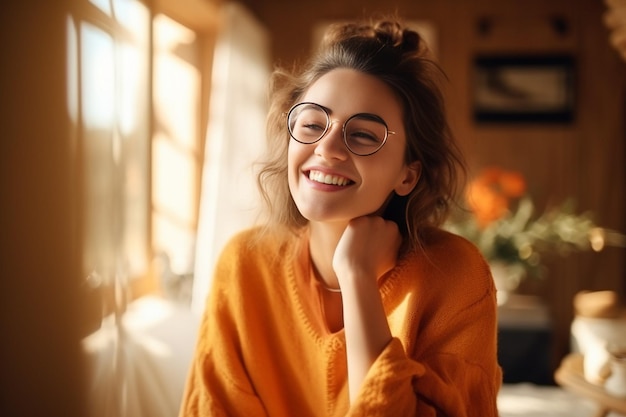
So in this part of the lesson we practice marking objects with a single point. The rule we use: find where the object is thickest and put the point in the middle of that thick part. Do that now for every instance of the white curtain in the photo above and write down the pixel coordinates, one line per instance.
(235, 139)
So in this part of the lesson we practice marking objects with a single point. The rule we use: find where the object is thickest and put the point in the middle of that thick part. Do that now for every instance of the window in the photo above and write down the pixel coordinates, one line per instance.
(137, 93)
(108, 90)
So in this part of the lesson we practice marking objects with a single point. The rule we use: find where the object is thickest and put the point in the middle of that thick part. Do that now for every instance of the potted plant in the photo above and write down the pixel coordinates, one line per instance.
(501, 220)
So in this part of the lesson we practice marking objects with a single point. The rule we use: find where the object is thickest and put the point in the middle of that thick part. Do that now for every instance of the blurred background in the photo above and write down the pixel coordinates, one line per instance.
(130, 129)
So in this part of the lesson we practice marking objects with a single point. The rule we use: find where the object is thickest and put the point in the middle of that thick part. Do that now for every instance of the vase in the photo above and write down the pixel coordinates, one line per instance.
(507, 278)
(616, 382)
(593, 337)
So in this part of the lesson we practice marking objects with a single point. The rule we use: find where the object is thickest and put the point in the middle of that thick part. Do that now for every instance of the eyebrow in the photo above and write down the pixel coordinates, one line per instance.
(368, 116)
(328, 110)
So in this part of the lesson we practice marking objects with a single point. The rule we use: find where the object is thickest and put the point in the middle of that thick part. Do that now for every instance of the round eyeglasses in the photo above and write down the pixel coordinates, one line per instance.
(363, 133)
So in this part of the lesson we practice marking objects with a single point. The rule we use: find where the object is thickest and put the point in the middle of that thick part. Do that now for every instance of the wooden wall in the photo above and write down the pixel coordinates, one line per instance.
(40, 306)
(584, 159)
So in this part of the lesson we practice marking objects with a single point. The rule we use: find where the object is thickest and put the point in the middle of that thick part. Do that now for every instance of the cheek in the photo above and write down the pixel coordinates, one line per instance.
(291, 156)
(291, 180)
(297, 154)
(293, 164)
(371, 169)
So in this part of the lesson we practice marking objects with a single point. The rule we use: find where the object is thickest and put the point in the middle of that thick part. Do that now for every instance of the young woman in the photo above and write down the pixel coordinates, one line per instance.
(351, 301)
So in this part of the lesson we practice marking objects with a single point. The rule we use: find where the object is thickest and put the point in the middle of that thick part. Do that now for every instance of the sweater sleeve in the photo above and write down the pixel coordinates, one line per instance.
(218, 384)
(458, 376)
(398, 386)
(210, 393)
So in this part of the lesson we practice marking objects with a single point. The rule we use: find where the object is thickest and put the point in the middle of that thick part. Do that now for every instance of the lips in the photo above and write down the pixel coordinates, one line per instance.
(329, 179)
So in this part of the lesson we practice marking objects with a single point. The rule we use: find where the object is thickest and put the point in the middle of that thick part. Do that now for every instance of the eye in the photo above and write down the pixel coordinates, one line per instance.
(308, 122)
(365, 132)
(364, 137)
(312, 125)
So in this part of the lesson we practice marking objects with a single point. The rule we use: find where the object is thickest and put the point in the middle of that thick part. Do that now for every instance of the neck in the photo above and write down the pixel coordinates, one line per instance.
(323, 240)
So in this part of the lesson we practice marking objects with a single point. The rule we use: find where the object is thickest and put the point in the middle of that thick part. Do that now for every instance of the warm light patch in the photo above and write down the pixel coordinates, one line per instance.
(175, 159)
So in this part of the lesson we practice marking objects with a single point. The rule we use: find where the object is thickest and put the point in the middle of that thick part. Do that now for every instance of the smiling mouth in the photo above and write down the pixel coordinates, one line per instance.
(328, 179)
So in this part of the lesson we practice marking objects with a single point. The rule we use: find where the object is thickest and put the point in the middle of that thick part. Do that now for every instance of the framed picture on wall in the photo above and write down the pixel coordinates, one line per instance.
(520, 88)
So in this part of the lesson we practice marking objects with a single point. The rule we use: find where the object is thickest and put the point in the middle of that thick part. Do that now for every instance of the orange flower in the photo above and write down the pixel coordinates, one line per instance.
(489, 194)
(512, 184)
(486, 204)
(490, 175)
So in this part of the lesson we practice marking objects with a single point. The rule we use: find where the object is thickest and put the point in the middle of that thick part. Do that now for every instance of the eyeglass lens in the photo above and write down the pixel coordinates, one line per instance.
(363, 134)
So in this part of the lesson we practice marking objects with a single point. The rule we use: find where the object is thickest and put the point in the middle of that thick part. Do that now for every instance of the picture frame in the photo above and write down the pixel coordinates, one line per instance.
(524, 89)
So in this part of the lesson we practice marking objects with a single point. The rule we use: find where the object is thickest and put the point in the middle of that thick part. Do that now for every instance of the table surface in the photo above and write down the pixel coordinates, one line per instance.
(139, 367)
(570, 375)
(524, 312)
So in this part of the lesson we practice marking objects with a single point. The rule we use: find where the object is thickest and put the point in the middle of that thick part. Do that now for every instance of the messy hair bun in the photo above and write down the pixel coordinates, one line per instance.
(387, 33)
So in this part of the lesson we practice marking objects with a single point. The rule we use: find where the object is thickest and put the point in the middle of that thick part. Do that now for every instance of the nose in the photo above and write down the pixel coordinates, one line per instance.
(331, 145)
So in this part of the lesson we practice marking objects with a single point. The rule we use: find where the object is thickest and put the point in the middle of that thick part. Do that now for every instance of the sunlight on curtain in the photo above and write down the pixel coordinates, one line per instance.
(133, 110)
(176, 100)
(235, 139)
(98, 115)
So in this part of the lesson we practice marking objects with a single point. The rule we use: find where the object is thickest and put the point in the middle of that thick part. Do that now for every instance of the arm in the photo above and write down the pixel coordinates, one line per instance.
(446, 365)
(366, 329)
(367, 249)
(454, 376)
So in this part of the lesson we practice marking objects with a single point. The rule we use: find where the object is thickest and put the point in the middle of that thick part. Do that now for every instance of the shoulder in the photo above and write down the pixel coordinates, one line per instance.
(454, 263)
(253, 260)
(258, 250)
(258, 241)
(442, 243)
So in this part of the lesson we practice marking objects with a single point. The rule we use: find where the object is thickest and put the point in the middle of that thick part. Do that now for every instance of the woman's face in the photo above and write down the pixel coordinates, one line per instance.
(328, 182)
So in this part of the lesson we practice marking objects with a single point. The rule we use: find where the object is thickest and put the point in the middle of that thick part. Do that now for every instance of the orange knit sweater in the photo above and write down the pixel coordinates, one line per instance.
(264, 347)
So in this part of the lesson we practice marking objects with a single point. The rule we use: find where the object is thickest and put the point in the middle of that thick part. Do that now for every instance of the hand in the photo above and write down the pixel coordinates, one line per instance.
(367, 249)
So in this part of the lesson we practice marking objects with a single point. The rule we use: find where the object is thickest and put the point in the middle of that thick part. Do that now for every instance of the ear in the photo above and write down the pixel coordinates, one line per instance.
(412, 175)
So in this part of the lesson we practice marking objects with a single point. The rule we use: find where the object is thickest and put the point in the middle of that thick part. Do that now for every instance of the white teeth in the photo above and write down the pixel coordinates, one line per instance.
(318, 176)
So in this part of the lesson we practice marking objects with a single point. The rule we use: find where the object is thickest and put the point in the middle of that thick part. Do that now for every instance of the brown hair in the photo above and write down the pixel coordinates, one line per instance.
(399, 57)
